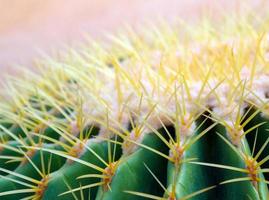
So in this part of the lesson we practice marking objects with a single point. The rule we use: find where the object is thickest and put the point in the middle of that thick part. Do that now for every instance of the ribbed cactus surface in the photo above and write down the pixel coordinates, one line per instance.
(175, 112)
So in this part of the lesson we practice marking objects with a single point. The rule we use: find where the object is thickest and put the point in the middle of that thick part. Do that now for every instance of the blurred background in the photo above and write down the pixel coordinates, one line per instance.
(26, 26)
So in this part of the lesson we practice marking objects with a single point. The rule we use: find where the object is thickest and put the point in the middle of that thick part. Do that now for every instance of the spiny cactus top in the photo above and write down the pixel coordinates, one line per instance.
(174, 112)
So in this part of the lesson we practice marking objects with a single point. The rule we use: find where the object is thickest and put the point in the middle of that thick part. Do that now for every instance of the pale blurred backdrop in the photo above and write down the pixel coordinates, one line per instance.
(29, 25)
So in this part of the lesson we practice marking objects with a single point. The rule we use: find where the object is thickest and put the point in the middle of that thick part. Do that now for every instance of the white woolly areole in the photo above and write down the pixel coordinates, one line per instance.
(74, 128)
(187, 129)
(234, 133)
(259, 88)
(147, 97)
(130, 145)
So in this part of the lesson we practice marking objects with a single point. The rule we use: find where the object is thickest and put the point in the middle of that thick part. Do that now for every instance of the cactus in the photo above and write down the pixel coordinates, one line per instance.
(175, 112)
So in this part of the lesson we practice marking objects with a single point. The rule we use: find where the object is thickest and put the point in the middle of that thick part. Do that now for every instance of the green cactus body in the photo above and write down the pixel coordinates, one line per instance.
(28, 168)
(258, 135)
(131, 173)
(66, 177)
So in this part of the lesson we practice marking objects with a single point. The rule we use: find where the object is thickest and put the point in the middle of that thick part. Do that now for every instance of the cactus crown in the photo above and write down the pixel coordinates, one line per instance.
(175, 112)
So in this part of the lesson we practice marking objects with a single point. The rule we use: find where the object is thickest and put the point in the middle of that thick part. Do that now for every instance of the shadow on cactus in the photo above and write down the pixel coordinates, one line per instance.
(173, 113)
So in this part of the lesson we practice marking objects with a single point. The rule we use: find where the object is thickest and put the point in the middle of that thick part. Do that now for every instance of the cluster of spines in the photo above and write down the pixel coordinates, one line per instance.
(167, 103)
